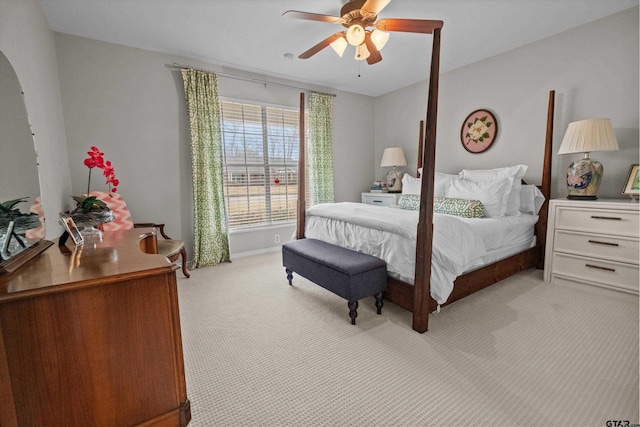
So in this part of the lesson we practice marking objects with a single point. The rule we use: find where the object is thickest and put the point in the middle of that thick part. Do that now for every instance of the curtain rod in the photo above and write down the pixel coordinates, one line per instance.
(249, 79)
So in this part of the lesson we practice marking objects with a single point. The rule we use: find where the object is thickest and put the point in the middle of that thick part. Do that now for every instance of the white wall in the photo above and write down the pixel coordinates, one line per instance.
(130, 103)
(27, 41)
(594, 71)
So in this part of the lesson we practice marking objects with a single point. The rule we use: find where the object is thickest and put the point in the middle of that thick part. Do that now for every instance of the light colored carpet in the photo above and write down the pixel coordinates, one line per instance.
(522, 352)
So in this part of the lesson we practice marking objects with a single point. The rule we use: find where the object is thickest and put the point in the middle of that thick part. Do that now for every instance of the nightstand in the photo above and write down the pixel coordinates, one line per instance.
(594, 243)
(381, 199)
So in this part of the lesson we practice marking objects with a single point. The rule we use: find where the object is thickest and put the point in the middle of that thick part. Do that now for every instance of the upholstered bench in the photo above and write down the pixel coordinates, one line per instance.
(349, 274)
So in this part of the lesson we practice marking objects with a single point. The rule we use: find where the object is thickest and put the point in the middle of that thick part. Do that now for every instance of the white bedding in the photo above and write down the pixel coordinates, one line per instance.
(390, 234)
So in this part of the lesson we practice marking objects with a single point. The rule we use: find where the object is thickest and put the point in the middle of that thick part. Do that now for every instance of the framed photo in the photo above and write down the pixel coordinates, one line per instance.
(632, 185)
(70, 227)
(478, 131)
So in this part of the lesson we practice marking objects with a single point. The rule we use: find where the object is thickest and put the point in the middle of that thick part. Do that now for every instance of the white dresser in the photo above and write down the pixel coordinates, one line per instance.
(593, 243)
(381, 199)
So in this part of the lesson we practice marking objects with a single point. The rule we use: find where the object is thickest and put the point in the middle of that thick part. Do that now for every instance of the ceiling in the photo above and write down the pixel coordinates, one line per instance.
(252, 35)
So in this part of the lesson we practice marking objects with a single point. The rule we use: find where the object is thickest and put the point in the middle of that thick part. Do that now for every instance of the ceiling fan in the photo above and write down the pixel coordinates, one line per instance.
(357, 16)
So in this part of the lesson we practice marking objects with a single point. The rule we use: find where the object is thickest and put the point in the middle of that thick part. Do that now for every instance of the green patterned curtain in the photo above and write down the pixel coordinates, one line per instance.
(211, 240)
(320, 148)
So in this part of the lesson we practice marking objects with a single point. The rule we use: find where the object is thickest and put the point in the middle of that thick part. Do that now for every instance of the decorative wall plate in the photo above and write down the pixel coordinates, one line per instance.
(478, 131)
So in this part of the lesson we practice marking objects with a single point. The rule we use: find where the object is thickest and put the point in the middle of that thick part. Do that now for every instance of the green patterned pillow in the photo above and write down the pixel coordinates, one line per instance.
(410, 201)
(460, 207)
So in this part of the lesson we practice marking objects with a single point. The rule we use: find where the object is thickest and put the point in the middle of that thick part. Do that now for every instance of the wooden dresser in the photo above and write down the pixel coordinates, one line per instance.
(90, 336)
(593, 243)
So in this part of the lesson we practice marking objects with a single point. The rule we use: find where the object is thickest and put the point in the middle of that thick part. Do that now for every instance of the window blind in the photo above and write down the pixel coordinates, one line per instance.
(260, 155)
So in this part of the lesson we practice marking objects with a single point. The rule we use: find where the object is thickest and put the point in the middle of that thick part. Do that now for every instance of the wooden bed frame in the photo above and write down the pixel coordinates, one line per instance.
(417, 297)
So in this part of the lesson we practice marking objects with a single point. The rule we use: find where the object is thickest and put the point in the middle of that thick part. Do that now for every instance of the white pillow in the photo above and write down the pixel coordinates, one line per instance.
(531, 199)
(515, 172)
(410, 185)
(442, 181)
(493, 194)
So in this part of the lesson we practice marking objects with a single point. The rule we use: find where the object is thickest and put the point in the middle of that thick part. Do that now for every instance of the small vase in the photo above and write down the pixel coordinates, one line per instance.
(91, 233)
(87, 222)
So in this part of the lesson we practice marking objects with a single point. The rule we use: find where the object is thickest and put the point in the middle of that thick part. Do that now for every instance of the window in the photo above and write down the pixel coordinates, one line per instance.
(260, 155)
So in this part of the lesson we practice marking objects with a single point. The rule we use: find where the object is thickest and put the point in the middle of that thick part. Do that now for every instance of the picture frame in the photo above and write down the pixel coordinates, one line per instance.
(632, 184)
(71, 228)
(479, 130)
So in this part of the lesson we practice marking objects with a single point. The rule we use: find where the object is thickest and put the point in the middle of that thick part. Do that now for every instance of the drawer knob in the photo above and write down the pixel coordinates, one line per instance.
(600, 268)
(613, 218)
(377, 201)
(596, 242)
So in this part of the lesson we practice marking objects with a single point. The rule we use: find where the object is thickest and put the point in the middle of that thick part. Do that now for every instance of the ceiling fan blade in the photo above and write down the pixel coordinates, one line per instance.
(317, 48)
(296, 14)
(375, 6)
(409, 25)
(374, 53)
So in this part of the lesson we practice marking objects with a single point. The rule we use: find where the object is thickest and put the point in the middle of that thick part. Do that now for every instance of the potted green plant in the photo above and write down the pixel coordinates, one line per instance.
(22, 221)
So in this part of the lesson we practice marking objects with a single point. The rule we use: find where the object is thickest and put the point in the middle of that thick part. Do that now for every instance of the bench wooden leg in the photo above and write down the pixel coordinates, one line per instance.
(353, 311)
(289, 275)
(379, 302)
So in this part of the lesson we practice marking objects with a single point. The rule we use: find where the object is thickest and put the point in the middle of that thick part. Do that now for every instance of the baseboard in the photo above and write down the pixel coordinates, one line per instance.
(246, 254)
(256, 252)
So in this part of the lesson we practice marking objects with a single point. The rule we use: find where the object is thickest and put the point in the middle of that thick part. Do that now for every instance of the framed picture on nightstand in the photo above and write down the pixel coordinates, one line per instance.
(632, 185)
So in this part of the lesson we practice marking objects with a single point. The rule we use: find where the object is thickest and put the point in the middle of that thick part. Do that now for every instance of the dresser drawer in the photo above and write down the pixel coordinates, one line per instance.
(621, 276)
(379, 200)
(598, 246)
(618, 222)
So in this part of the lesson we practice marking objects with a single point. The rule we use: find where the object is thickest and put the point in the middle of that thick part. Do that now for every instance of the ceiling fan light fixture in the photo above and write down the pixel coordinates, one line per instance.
(339, 45)
(362, 52)
(355, 35)
(379, 38)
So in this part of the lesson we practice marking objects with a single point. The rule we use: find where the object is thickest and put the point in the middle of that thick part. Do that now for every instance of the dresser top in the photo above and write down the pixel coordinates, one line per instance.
(116, 257)
(626, 204)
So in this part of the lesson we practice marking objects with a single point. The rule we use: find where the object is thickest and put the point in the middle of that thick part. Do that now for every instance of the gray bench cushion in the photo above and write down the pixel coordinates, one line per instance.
(349, 274)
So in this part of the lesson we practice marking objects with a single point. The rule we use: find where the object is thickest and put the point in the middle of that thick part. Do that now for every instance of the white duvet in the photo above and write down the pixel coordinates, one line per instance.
(390, 234)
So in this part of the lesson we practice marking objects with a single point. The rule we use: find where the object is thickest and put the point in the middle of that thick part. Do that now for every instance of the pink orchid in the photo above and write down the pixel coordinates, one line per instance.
(96, 159)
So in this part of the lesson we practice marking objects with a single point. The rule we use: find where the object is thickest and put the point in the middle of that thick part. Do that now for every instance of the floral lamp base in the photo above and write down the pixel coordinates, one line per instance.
(394, 181)
(583, 179)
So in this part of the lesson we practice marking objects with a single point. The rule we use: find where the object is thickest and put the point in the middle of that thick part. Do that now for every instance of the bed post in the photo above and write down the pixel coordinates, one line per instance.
(301, 209)
(421, 286)
(541, 225)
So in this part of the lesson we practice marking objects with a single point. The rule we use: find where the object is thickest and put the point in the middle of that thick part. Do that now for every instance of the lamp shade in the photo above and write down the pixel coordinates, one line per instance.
(362, 52)
(339, 45)
(393, 156)
(355, 35)
(586, 136)
(379, 38)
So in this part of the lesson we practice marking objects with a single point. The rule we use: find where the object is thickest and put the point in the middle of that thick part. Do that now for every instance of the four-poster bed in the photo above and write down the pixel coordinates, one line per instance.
(417, 297)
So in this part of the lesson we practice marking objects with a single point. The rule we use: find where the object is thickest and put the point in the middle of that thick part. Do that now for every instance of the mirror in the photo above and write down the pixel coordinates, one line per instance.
(22, 222)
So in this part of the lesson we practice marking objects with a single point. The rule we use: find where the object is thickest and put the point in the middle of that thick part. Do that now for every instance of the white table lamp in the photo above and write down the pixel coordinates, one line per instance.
(393, 156)
(585, 136)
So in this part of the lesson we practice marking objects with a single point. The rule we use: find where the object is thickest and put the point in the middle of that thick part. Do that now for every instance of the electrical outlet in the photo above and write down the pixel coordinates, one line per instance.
(277, 238)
